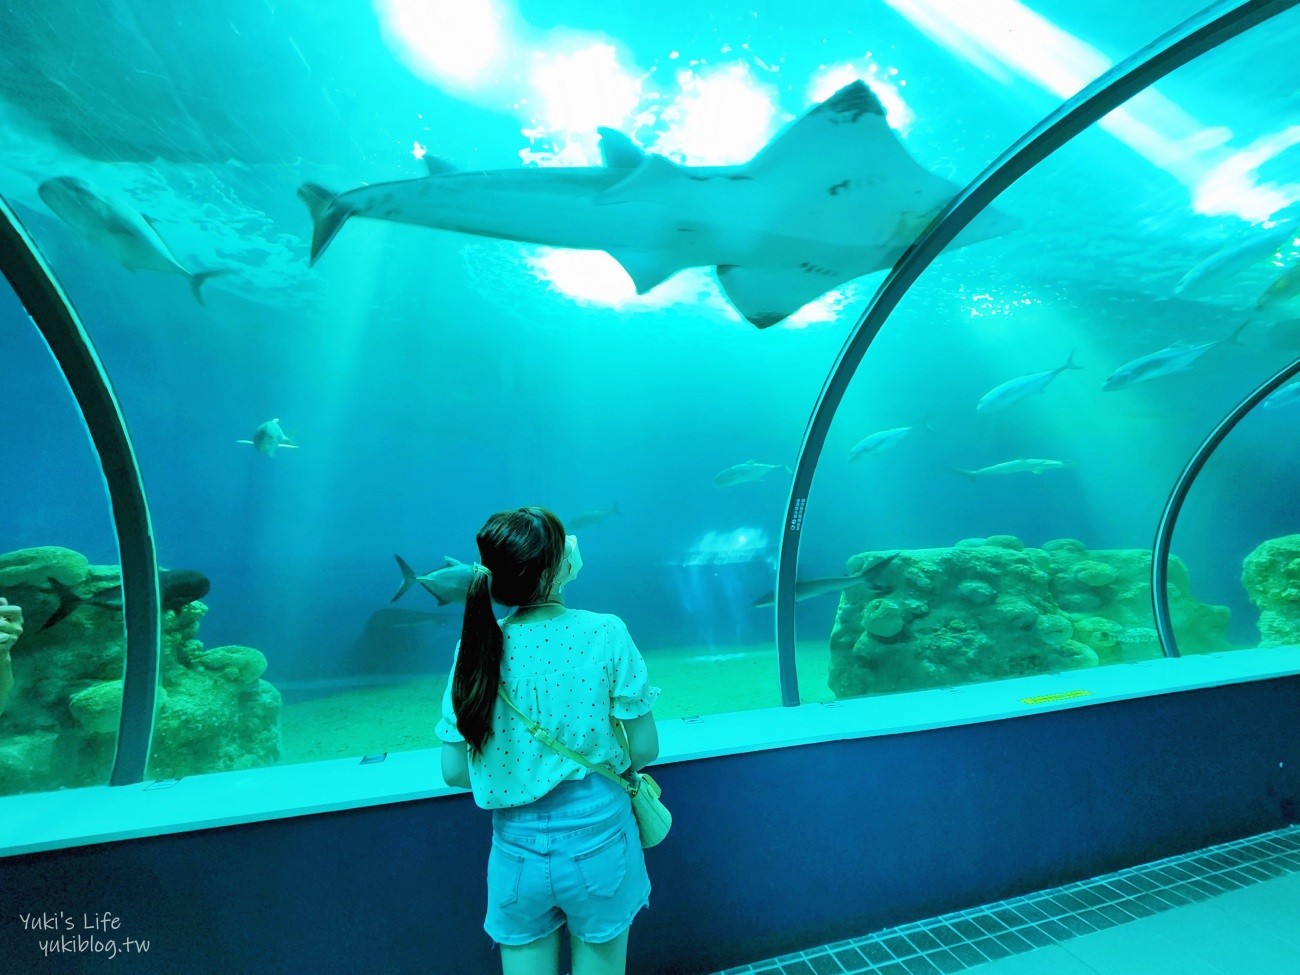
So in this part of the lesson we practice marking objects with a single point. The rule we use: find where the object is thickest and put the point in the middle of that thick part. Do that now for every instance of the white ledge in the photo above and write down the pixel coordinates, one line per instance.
(74, 817)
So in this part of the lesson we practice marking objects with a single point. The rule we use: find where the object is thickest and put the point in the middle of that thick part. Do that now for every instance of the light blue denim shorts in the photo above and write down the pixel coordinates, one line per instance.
(574, 856)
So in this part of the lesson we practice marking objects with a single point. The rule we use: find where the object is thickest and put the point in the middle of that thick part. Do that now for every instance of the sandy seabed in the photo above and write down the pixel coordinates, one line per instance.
(401, 717)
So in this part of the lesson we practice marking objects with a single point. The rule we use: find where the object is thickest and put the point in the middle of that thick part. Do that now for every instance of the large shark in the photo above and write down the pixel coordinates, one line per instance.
(117, 227)
(832, 197)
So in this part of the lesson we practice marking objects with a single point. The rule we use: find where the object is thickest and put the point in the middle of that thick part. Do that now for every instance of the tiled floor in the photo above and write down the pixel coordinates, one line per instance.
(1232, 909)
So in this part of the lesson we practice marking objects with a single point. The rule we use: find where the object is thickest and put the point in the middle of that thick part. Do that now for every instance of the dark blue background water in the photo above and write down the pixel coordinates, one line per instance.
(431, 380)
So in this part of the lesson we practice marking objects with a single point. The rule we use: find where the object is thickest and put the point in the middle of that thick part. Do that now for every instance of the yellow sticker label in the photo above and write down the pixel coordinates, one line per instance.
(1051, 698)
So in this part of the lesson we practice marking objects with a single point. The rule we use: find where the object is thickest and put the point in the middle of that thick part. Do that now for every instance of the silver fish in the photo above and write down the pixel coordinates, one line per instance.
(1028, 465)
(1288, 395)
(882, 440)
(269, 437)
(1283, 288)
(809, 588)
(1175, 358)
(1213, 273)
(750, 470)
(593, 517)
(449, 584)
(1014, 390)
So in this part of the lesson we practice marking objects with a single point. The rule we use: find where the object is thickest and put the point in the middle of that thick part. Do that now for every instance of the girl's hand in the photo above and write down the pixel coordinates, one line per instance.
(11, 623)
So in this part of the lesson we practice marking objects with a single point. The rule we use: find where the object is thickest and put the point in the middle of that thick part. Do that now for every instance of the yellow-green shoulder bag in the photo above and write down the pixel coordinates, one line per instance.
(653, 819)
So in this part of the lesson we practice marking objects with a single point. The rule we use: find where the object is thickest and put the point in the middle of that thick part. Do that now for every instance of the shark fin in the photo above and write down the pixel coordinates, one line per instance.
(843, 142)
(646, 268)
(449, 561)
(438, 165)
(651, 178)
(766, 296)
(68, 601)
(199, 278)
(408, 578)
(327, 214)
(618, 151)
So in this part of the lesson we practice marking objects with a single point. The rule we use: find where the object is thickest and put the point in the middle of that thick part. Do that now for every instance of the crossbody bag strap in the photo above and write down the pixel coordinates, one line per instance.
(548, 739)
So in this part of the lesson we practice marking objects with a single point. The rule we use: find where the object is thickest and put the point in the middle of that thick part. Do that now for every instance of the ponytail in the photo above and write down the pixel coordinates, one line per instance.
(478, 667)
(520, 551)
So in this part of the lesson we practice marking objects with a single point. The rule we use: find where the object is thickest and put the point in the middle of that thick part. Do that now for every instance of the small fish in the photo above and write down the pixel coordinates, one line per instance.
(449, 584)
(883, 440)
(1288, 395)
(1214, 272)
(1014, 390)
(400, 619)
(1138, 634)
(593, 517)
(1282, 289)
(114, 225)
(1029, 465)
(809, 588)
(268, 437)
(177, 587)
(1175, 358)
(1126, 636)
(750, 470)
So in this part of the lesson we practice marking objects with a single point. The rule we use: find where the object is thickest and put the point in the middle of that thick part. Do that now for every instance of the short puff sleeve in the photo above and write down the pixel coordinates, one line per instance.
(447, 729)
(631, 693)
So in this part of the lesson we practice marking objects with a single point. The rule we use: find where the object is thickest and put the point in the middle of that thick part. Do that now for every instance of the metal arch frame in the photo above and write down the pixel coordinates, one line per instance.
(1204, 32)
(1174, 504)
(52, 313)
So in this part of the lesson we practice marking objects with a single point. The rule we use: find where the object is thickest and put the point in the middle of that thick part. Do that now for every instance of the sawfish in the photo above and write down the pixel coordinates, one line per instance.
(832, 197)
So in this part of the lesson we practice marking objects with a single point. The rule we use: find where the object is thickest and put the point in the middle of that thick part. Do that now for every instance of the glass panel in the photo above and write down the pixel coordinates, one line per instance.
(416, 379)
(1040, 391)
(61, 679)
(1239, 537)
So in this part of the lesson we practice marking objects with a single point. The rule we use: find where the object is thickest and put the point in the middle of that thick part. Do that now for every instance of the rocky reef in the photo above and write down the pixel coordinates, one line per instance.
(58, 724)
(991, 608)
(1271, 575)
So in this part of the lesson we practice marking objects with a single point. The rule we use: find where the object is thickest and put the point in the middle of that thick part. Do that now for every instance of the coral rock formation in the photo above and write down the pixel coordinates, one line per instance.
(1271, 575)
(59, 726)
(991, 608)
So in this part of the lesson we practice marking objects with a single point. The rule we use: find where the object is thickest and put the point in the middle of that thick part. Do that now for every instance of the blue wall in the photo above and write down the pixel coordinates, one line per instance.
(770, 852)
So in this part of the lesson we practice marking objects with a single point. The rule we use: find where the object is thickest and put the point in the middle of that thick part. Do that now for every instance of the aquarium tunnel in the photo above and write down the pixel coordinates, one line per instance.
(921, 379)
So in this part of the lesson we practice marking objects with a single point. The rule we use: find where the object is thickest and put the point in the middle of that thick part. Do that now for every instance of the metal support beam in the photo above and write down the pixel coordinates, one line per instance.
(57, 321)
(1207, 30)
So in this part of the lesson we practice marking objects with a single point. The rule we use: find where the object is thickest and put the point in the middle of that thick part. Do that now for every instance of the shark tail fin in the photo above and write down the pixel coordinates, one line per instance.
(199, 278)
(970, 474)
(613, 509)
(1231, 338)
(925, 422)
(1070, 363)
(327, 214)
(408, 578)
(68, 601)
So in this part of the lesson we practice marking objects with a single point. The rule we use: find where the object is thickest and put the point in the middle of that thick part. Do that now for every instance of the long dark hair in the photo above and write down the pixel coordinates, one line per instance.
(522, 549)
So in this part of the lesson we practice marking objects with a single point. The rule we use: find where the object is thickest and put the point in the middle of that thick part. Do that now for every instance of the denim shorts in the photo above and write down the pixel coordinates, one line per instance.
(574, 856)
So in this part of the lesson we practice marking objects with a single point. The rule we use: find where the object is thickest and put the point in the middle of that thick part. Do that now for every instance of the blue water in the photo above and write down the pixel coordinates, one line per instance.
(432, 378)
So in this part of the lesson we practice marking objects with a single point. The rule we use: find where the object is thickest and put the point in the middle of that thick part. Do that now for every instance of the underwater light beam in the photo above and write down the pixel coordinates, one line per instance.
(998, 34)
(453, 40)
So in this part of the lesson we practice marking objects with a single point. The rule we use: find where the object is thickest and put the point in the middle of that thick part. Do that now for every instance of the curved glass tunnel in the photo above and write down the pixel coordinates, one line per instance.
(413, 380)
